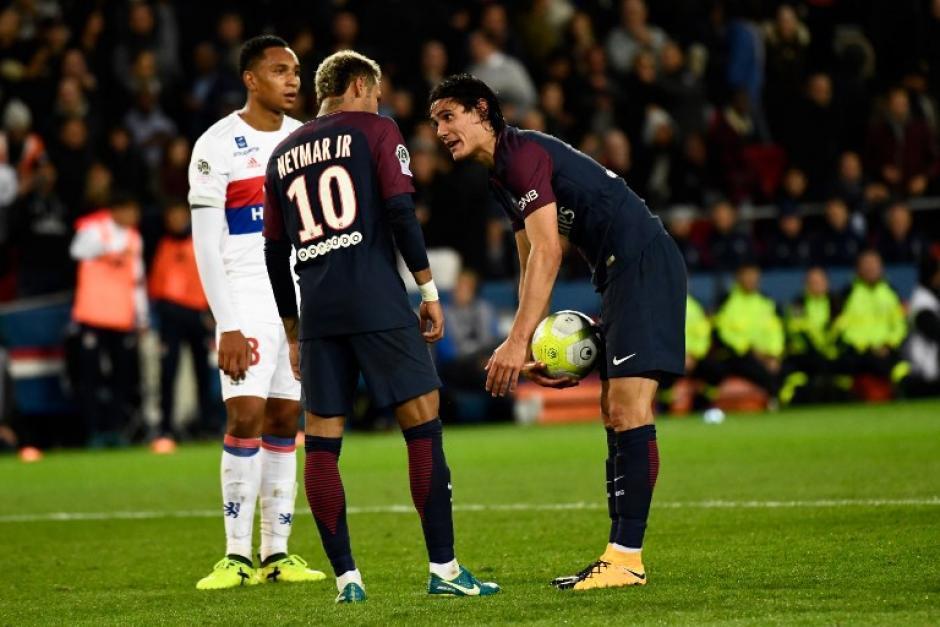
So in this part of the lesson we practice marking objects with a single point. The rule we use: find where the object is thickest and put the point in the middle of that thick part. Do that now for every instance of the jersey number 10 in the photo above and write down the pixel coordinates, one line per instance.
(337, 221)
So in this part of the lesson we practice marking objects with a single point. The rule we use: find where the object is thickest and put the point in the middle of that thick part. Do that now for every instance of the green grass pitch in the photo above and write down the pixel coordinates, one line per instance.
(822, 515)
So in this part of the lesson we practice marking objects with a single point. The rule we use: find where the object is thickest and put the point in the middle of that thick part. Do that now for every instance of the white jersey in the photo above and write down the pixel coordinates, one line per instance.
(227, 170)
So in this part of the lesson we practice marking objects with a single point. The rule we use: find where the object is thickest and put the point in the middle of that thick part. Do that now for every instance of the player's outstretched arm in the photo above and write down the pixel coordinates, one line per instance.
(234, 350)
(535, 290)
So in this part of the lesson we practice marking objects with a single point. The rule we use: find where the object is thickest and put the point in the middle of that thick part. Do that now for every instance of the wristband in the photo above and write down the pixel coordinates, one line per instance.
(428, 292)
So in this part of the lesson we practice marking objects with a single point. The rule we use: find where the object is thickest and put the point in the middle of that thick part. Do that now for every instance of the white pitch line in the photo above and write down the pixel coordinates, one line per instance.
(494, 507)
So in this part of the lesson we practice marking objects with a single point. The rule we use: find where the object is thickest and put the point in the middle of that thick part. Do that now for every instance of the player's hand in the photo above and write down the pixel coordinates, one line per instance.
(504, 366)
(293, 349)
(534, 371)
(234, 354)
(431, 315)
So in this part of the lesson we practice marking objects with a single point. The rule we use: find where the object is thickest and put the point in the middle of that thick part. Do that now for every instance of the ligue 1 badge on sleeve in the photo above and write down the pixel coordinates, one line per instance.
(401, 153)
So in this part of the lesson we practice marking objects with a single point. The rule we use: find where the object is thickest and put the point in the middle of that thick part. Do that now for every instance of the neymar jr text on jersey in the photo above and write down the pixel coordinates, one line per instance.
(315, 151)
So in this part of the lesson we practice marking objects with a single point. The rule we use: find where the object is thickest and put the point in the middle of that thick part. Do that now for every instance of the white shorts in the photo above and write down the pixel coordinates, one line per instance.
(269, 373)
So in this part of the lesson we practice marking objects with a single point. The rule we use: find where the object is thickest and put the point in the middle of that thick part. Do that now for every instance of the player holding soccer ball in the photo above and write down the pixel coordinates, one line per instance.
(550, 190)
(339, 189)
(226, 177)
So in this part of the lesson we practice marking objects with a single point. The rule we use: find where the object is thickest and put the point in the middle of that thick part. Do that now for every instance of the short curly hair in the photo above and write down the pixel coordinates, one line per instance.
(339, 69)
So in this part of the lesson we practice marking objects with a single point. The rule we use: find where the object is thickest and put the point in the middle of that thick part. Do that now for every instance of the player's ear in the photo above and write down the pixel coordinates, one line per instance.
(360, 86)
(249, 79)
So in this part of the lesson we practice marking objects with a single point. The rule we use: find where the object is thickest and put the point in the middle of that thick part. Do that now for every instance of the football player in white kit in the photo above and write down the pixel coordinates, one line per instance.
(226, 177)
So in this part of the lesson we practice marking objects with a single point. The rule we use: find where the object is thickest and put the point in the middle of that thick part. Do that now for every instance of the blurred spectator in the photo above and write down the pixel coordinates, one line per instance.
(732, 131)
(814, 135)
(617, 154)
(898, 242)
(698, 343)
(98, 187)
(75, 66)
(793, 191)
(184, 318)
(126, 163)
(579, 34)
(853, 187)
(558, 121)
(750, 332)
(494, 23)
(659, 139)
(72, 155)
(923, 347)
(230, 35)
(503, 73)
(728, 245)
(541, 27)
(214, 90)
(787, 45)
(600, 95)
(681, 91)
(632, 35)
(150, 128)
(41, 230)
(110, 306)
(689, 178)
(174, 171)
(150, 28)
(680, 222)
(471, 325)
(499, 261)
(838, 244)
(871, 326)
(789, 246)
(14, 49)
(20, 147)
(640, 93)
(810, 347)
(433, 71)
(901, 148)
(745, 70)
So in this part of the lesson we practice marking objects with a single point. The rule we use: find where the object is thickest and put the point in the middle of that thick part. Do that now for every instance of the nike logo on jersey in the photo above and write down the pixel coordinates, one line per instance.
(620, 360)
(472, 591)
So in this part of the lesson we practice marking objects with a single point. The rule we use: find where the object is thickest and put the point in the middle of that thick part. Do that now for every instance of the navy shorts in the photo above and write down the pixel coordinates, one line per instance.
(395, 363)
(643, 315)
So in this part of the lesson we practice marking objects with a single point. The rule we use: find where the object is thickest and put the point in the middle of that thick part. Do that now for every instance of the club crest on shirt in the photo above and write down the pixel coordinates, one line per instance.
(401, 153)
(241, 142)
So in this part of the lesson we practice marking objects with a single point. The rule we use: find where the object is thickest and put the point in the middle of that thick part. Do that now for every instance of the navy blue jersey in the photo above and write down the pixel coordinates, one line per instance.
(327, 188)
(597, 211)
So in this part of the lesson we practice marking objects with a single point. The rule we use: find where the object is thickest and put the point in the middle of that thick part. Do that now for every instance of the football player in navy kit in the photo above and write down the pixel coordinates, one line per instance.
(549, 190)
(339, 190)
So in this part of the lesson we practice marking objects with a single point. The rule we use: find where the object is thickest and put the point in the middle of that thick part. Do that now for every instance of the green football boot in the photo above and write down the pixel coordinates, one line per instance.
(352, 593)
(289, 569)
(463, 585)
(228, 573)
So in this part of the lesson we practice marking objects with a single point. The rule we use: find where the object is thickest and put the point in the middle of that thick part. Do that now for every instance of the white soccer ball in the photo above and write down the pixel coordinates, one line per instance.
(567, 343)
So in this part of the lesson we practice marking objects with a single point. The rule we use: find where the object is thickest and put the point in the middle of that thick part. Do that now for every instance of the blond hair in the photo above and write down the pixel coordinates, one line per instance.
(339, 69)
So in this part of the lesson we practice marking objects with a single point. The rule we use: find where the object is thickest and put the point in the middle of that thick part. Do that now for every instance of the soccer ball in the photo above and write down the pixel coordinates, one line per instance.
(567, 343)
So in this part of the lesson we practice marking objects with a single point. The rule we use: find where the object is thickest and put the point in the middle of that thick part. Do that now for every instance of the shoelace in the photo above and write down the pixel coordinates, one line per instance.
(595, 568)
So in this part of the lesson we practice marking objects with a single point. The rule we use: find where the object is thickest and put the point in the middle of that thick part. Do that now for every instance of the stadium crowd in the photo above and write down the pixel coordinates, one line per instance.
(767, 134)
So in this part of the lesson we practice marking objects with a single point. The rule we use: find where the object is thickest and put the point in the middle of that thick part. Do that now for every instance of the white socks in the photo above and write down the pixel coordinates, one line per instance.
(446, 571)
(624, 549)
(278, 489)
(241, 481)
(350, 576)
